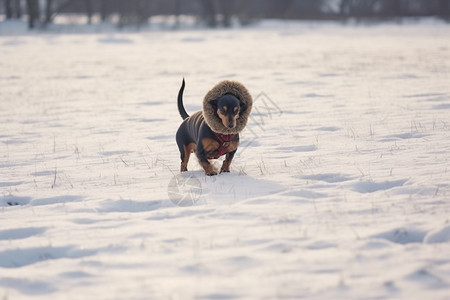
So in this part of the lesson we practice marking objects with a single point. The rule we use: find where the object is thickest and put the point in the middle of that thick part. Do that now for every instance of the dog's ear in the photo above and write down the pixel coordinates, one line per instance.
(243, 106)
(213, 104)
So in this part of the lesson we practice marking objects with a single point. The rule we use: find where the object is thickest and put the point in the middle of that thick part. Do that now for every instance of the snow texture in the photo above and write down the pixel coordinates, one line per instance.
(339, 190)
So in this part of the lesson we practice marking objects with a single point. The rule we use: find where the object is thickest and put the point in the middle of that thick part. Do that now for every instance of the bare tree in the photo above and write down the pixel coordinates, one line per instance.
(89, 11)
(391, 8)
(17, 9)
(48, 11)
(8, 9)
(226, 7)
(13, 9)
(51, 10)
(33, 13)
(217, 12)
(134, 12)
(306, 9)
(248, 11)
(344, 8)
(209, 12)
(370, 8)
(444, 9)
(177, 9)
(104, 9)
(278, 9)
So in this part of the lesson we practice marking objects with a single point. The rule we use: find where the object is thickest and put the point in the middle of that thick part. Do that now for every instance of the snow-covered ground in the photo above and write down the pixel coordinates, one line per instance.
(340, 188)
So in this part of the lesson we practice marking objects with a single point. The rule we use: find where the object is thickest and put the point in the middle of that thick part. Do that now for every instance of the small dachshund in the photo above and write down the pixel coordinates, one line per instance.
(214, 131)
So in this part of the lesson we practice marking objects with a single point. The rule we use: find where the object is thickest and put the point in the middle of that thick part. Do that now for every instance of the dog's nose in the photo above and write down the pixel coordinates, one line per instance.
(230, 125)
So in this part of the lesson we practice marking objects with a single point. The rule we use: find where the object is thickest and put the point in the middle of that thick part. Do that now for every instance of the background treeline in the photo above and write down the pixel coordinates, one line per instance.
(221, 12)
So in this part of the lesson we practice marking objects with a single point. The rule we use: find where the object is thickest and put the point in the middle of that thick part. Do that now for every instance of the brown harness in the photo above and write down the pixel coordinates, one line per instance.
(225, 141)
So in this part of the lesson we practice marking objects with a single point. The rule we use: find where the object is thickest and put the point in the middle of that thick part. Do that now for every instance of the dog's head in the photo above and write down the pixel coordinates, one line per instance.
(226, 107)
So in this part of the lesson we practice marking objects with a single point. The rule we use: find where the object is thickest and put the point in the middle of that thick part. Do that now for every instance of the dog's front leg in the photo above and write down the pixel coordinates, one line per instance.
(204, 150)
(227, 162)
(204, 162)
(208, 167)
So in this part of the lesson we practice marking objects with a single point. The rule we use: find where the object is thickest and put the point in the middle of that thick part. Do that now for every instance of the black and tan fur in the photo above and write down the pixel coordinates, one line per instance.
(226, 108)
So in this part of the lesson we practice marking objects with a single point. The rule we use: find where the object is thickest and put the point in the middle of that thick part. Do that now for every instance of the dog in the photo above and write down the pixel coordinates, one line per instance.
(214, 131)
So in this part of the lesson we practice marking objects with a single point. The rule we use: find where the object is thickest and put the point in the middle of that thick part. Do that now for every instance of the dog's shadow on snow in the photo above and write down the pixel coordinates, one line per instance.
(195, 188)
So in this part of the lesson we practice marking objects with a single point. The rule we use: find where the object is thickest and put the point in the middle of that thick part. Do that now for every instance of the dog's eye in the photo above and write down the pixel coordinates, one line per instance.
(224, 108)
(235, 110)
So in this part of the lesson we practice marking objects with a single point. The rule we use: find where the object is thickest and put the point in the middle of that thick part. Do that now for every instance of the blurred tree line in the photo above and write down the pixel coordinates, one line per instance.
(215, 13)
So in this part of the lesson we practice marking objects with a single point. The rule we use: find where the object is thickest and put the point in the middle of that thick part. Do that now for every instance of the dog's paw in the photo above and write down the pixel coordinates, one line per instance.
(211, 173)
(209, 168)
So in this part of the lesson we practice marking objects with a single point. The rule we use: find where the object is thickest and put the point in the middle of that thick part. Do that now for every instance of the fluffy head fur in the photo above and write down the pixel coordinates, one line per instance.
(209, 111)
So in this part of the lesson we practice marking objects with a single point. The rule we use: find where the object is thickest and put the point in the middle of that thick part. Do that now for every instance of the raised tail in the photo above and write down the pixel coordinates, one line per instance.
(181, 109)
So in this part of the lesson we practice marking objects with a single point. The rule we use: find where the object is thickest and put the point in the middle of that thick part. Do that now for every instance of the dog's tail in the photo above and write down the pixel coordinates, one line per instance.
(181, 109)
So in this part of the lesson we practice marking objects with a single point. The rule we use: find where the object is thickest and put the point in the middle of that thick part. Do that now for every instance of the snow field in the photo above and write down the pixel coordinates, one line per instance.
(339, 189)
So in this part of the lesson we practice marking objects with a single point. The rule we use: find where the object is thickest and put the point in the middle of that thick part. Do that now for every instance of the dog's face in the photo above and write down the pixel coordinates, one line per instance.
(227, 108)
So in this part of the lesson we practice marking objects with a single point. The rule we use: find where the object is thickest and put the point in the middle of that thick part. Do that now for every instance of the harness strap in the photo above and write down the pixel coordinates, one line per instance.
(225, 141)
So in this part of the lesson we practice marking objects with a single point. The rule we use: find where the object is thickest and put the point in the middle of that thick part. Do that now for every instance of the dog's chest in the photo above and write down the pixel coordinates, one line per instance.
(223, 145)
